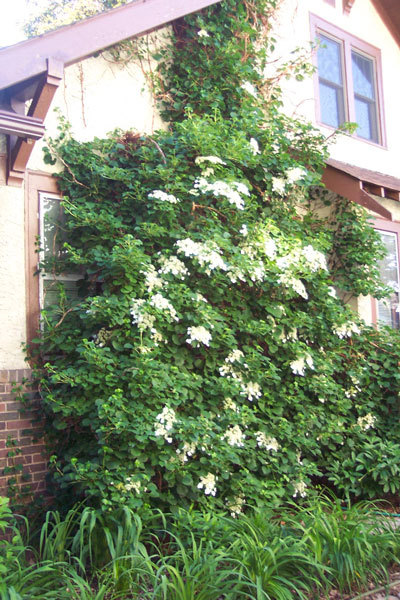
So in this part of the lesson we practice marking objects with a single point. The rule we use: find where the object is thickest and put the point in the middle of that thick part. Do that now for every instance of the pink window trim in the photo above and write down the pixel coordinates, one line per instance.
(390, 227)
(350, 42)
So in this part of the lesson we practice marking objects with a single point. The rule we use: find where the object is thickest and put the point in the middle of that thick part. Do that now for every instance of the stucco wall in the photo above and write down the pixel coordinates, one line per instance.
(293, 30)
(12, 272)
(99, 95)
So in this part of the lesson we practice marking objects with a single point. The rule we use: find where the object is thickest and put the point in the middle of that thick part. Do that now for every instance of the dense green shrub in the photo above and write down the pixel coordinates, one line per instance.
(208, 358)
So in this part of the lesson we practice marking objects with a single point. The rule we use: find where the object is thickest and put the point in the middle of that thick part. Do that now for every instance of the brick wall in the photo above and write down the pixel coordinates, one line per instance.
(22, 457)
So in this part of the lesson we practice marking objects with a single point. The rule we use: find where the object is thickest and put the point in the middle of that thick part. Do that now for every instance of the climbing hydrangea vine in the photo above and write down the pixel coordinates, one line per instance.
(207, 357)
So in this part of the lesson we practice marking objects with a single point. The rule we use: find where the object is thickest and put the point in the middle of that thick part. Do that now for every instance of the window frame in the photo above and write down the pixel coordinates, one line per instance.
(387, 227)
(349, 43)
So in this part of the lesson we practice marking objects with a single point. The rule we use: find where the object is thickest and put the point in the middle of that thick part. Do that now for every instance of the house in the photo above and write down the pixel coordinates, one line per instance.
(355, 81)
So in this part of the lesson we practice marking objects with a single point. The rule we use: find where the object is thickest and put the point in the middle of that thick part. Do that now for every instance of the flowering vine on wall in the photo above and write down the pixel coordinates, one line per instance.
(208, 358)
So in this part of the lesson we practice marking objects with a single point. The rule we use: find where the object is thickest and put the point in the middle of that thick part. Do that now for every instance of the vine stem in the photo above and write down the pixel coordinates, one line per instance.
(383, 588)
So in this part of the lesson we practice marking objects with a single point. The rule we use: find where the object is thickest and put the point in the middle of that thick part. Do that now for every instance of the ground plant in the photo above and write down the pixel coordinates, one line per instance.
(206, 357)
(87, 554)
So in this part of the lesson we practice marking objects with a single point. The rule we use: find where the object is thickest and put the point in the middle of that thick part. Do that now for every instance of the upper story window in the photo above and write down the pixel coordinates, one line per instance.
(348, 82)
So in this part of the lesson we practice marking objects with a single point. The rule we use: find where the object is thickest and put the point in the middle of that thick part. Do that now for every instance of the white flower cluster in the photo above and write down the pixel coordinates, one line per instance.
(290, 336)
(255, 148)
(252, 390)
(295, 174)
(207, 254)
(300, 489)
(234, 356)
(164, 423)
(299, 366)
(163, 196)
(366, 422)
(141, 318)
(202, 33)
(236, 506)
(157, 337)
(229, 404)
(269, 443)
(152, 279)
(232, 192)
(292, 176)
(188, 450)
(234, 436)
(302, 257)
(158, 301)
(249, 88)
(346, 330)
(133, 485)
(199, 334)
(295, 284)
(243, 230)
(215, 160)
(173, 265)
(209, 484)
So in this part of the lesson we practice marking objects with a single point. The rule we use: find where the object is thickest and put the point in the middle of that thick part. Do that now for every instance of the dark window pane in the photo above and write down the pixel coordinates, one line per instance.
(363, 76)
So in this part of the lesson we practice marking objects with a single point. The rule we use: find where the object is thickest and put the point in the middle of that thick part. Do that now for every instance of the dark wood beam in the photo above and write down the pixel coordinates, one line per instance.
(346, 185)
(41, 102)
(75, 42)
(21, 125)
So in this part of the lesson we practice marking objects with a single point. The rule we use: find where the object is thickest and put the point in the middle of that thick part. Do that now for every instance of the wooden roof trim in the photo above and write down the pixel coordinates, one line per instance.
(75, 42)
(366, 176)
(348, 186)
(389, 12)
(20, 125)
(348, 5)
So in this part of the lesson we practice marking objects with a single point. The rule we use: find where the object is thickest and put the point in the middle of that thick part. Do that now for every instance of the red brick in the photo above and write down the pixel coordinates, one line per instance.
(2, 406)
(21, 424)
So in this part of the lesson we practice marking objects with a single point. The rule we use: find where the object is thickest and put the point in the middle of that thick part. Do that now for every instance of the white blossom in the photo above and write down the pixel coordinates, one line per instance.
(346, 330)
(133, 485)
(173, 265)
(269, 443)
(165, 421)
(251, 389)
(235, 355)
(199, 334)
(296, 284)
(207, 254)
(152, 279)
(158, 301)
(141, 318)
(278, 185)
(254, 146)
(300, 489)
(249, 88)
(209, 484)
(289, 336)
(187, 451)
(215, 160)
(332, 292)
(299, 366)
(203, 33)
(235, 506)
(229, 404)
(243, 230)
(156, 336)
(234, 436)
(231, 191)
(269, 247)
(315, 259)
(366, 422)
(163, 196)
(295, 174)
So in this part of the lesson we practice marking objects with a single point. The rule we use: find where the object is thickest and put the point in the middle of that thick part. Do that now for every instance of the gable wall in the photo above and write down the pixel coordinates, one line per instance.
(293, 30)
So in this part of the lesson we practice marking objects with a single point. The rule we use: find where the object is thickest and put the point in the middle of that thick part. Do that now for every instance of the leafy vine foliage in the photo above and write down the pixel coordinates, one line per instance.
(208, 357)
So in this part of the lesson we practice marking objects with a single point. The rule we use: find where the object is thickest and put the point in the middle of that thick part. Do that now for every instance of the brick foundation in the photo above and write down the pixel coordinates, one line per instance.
(23, 463)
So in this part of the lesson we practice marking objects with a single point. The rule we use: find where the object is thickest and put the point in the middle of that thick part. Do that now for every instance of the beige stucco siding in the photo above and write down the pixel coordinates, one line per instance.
(12, 272)
(293, 30)
(99, 95)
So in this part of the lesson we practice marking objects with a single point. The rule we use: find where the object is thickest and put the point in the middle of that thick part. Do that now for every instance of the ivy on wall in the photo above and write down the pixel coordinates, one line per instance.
(207, 358)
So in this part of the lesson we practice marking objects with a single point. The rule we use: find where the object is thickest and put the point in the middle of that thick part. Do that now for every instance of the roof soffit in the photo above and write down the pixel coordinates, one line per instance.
(75, 42)
(389, 11)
